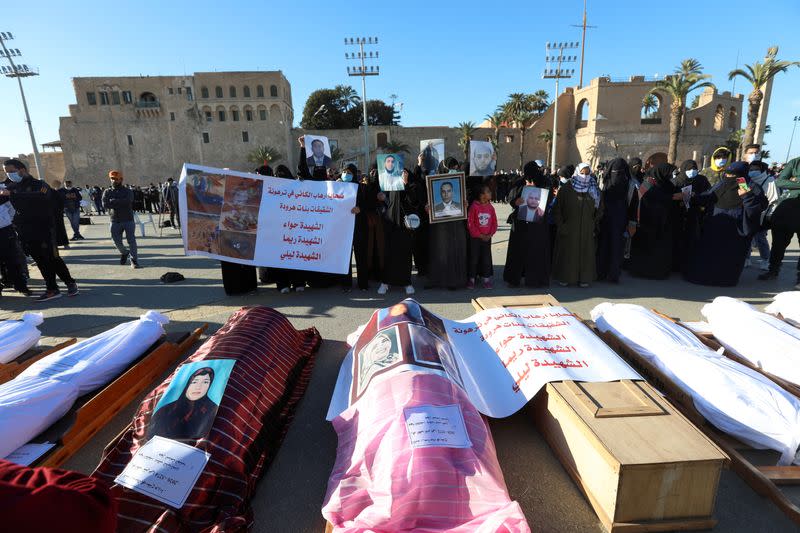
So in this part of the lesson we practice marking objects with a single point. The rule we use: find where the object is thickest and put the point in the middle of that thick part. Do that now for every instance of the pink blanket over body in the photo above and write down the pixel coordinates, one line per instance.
(380, 483)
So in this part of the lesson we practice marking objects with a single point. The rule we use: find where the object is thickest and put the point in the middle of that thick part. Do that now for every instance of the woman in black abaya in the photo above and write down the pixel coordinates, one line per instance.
(615, 219)
(687, 223)
(448, 246)
(191, 415)
(651, 246)
(399, 238)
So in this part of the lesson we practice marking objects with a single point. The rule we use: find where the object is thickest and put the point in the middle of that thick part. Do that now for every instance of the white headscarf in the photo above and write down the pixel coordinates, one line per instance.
(586, 183)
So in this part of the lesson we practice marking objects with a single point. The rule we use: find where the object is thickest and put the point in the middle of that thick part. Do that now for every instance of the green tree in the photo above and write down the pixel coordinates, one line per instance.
(395, 147)
(547, 138)
(758, 74)
(734, 143)
(264, 155)
(521, 111)
(347, 97)
(322, 111)
(650, 104)
(687, 78)
(695, 102)
(465, 132)
(496, 120)
(378, 114)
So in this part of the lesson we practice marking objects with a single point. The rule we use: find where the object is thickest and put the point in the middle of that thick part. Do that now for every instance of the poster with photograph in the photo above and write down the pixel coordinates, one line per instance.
(318, 151)
(188, 406)
(390, 172)
(265, 221)
(446, 193)
(432, 151)
(534, 204)
(482, 159)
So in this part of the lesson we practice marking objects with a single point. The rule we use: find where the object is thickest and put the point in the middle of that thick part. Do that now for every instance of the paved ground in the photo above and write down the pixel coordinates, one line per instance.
(290, 496)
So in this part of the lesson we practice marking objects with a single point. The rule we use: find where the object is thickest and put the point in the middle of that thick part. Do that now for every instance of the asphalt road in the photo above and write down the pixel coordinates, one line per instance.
(290, 496)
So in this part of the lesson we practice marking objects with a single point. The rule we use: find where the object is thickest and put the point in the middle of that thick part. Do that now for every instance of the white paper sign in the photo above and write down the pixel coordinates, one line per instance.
(436, 427)
(265, 221)
(687, 195)
(25, 455)
(165, 470)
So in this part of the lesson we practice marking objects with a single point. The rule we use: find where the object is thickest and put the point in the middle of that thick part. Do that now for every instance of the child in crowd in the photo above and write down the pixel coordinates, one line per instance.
(482, 224)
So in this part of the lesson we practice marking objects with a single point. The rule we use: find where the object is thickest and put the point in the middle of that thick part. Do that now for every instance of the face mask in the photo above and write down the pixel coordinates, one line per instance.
(14, 176)
(691, 173)
(752, 157)
(347, 177)
(720, 162)
(754, 174)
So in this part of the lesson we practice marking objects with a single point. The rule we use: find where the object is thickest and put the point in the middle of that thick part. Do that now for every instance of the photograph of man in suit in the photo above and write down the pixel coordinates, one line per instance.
(448, 207)
(318, 157)
(530, 210)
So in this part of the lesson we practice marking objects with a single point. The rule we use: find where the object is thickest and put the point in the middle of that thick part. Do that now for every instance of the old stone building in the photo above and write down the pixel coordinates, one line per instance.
(149, 126)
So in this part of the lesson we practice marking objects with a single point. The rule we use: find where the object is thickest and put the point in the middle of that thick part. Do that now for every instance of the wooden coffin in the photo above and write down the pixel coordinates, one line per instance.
(641, 464)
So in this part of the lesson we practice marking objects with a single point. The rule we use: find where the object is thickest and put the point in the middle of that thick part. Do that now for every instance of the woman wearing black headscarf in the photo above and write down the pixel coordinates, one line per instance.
(615, 219)
(447, 246)
(364, 202)
(191, 415)
(687, 223)
(399, 237)
(732, 216)
(651, 246)
(528, 252)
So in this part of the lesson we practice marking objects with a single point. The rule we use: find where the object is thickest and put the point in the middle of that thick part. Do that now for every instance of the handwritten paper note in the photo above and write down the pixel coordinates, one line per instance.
(436, 426)
(26, 454)
(165, 470)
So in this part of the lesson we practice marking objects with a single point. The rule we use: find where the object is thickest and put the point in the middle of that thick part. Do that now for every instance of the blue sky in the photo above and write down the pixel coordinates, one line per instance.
(447, 61)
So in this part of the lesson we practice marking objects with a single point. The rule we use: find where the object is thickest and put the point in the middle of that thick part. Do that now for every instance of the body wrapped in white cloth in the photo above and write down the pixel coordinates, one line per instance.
(46, 390)
(787, 304)
(766, 341)
(18, 336)
(736, 399)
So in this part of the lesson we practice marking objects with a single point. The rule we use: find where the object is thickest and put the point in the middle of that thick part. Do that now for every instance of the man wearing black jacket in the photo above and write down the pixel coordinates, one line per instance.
(34, 202)
(118, 201)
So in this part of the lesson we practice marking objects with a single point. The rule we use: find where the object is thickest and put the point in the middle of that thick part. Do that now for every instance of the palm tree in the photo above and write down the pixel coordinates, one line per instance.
(465, 132)
(734, 142)
(521, 111)
(496, 120)
(264, 155)
(650, 104)
(547, 138)
(541, 101)
(758, 75)
(336, 154)
(687, 78)
(695, 101)
(395, 147)
(346, 97)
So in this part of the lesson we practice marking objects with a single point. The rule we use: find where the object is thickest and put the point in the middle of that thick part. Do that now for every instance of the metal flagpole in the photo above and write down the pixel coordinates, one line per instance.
(557, 73)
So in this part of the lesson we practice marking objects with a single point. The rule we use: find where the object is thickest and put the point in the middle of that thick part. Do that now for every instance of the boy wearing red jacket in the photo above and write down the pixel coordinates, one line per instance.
(482, 224)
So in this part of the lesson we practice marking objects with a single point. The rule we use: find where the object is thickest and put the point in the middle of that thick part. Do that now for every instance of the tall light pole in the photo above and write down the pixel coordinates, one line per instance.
(554, 54)
(363, 70)
(788, 151)
(19, 72)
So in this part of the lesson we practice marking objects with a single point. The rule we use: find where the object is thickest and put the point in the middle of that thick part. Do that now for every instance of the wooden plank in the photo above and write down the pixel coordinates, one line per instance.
(781, 475)
(528, 300)
(10, 370)
(691, 524)
(98, 411)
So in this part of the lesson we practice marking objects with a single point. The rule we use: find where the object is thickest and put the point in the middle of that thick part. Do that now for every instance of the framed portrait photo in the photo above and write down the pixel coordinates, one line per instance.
(447, 197)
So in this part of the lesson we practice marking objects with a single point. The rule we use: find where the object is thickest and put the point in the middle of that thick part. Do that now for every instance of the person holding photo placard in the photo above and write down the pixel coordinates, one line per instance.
(447, 240)
(399, 222)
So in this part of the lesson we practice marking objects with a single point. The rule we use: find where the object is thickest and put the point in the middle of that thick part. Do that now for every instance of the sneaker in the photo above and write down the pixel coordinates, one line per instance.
(383, 289)
(768, 275)
(299, 289)
(72, 289)
(81, 237)
(748, 263)
(583, 285)
(49, 295)
(763, 265)
(135, 264)
(74, 238)
(563, 283)
(25, 292)
(410, 289)
(471, 283)
(487, 283)
(285, 290)
(123, 258)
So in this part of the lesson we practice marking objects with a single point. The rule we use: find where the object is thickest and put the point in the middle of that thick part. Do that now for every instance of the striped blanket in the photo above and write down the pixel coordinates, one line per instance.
(273, 367)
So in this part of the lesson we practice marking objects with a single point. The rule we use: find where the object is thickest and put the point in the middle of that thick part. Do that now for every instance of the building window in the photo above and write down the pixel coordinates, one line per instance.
(262, 114)
(130, 140)
(245, 137)
(204, 92)
(696, 122)
(235, 115)
(246, 91)
(719, 117)
(115, 98)
(382, 139)
(91, 98)
(260, 91)
(103, 98)
(180, 90)
(651, 109)
(172, 116)
(248, 115)
(208, 116)
(218, 91)
(232, 91)
(509, 138)
(170, 91)
(733, 119)
(206, 140)
(127, 97)
(582, 114)
(273, 91)
(221, 115)
(189, 95)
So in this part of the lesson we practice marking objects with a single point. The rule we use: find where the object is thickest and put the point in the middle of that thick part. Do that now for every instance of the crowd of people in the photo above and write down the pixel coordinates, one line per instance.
(651, 220)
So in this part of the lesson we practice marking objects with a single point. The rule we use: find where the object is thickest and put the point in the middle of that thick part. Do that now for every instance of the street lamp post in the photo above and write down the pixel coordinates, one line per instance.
(363, 70)
(788, 151)
(557, 73)
(19, 72)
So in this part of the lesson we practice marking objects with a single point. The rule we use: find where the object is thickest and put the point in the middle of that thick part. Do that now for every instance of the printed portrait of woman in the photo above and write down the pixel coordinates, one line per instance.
(192, 414)
(381, 353)
(405, 311)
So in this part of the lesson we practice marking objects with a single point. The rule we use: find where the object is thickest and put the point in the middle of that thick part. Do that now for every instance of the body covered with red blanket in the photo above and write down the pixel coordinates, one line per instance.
(271, 369)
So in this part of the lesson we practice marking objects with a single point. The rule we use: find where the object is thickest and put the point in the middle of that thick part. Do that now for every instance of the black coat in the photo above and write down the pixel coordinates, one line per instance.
(528, 252)
(35, 204)
(651, 247)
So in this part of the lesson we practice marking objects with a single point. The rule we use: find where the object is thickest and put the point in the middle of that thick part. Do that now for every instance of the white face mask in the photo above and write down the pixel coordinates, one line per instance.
(691, 173)
(347, 176)
(754, 174)
(752, 157)
(14, 176)
(720, 162)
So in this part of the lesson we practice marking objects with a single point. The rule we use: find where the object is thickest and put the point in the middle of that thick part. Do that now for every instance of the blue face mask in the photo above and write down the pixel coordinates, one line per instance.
(347, 177)
(14, 176)
(452, 171)
(691, 173)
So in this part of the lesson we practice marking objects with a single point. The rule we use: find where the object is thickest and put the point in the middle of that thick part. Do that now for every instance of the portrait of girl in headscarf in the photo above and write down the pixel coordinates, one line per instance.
(191, 415)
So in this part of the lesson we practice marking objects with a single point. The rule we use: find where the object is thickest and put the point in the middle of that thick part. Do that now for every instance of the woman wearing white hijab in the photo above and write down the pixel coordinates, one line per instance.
(576, 213)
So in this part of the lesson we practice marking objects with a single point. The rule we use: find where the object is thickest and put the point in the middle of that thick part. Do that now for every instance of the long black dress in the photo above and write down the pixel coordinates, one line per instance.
(717, 255)
(528, 253)
(687, 220)
(611, 238)
(399, 239)
(651, 246)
